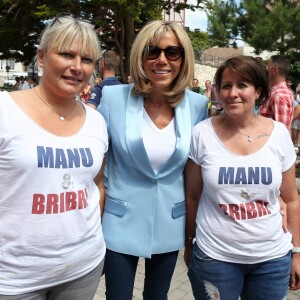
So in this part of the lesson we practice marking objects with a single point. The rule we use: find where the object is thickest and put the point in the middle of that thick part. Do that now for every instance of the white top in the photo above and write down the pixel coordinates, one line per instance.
(159, 143)
(238, 218)
(50, 229)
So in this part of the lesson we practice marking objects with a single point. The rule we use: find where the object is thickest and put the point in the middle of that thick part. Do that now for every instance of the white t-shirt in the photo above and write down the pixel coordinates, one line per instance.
(159, 143)
(50, 229)
(238, 218)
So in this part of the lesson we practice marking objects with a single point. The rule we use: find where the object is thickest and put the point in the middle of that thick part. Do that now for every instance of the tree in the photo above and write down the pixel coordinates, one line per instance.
(117, 22)
(221, 25)
(272, 25)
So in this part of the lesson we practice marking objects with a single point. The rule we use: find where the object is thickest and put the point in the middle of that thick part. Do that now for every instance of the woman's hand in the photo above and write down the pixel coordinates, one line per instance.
(187, 254)
(295, 273)
(283, 212)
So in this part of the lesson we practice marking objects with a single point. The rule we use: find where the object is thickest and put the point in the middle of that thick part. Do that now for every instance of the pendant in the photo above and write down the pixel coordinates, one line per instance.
(62, 118)
(250, 139)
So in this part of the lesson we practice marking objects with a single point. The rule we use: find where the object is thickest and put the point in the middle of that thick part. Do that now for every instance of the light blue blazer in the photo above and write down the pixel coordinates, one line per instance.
(144, 212)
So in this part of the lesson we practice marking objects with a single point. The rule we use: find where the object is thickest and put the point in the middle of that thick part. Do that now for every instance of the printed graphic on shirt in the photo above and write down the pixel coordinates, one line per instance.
(64, 158)
(241, 175)
(252, 208)
(58, 158)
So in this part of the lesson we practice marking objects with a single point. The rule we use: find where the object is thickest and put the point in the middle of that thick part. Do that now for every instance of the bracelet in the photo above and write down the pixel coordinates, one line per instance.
(296, 250)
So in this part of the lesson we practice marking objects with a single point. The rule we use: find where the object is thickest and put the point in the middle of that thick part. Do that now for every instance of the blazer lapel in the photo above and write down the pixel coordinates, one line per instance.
(183, 138)
(134, 139)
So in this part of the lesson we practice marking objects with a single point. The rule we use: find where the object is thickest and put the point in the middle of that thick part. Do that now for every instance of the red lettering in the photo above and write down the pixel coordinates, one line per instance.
(81, 200)
(62, 202)
(243, 211)
(234, 211)
(38, 206)
(224, 207)
(251, 211)
(266, 206)
(70, 201)
(260, 208)
(52, 204)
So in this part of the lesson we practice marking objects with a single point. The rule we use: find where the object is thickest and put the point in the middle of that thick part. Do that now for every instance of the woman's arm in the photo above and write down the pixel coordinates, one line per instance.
(289, 194)
(99, 181)
(193, 190)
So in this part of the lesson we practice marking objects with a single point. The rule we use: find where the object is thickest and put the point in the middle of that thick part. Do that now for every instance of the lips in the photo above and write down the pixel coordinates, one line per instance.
(71, 78)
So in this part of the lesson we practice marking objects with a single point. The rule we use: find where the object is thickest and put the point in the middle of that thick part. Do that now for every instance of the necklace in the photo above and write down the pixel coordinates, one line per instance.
(253, 139)
(61, 117)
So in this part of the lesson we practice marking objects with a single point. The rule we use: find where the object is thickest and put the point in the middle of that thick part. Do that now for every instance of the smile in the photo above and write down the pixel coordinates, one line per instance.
(72, 78)
(161, 72)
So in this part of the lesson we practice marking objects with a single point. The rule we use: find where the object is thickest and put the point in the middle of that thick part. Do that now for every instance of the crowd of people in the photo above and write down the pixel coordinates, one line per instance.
(145, 169)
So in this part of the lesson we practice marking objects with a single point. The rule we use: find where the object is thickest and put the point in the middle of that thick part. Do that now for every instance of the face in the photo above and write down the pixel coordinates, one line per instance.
(238, 96)
(289, 83)
(161, 72)
(66, 72)
(195, 83)
(207, 83)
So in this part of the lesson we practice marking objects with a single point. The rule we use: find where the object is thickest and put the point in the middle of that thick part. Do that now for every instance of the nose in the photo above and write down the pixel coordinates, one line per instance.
(76, 64)
(162, 57)
(233, 92)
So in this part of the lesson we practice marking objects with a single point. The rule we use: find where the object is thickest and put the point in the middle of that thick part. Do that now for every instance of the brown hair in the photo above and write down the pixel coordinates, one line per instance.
(249, 69)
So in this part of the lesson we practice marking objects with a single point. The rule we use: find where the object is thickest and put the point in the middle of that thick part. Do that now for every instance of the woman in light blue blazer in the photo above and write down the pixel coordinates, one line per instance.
(149, 124)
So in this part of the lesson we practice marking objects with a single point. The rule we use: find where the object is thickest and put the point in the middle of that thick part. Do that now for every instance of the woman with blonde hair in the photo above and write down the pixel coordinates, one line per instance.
(149, 123)
(51, 153)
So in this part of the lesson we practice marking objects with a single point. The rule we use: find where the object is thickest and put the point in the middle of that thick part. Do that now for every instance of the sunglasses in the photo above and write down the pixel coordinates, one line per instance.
(171, 52)
(60, 19)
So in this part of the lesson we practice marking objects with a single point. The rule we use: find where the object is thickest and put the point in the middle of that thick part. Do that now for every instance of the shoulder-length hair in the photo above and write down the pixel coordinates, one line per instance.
(249, 69)
(151, 34)
(60, 34)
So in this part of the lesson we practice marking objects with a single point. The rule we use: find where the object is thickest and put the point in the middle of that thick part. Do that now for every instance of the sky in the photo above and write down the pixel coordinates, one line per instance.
(195, 19)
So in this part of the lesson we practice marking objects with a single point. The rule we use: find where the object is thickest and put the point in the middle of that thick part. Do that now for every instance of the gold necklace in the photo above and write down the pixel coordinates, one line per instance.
(253, 139)
(61, 117)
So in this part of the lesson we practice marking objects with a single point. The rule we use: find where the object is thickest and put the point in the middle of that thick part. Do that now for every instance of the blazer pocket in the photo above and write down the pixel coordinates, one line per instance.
(178, 209)
(116, 207)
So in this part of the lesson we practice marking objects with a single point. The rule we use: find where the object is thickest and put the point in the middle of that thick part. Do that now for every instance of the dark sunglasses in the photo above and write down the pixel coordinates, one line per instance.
(60, 20)
(171, 52)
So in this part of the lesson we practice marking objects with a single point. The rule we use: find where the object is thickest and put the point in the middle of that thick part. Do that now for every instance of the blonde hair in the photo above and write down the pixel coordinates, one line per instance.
(151, 34)
(60, 34)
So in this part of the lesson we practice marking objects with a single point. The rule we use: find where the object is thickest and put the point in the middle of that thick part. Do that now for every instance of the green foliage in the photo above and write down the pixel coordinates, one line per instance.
(272, 25)
(199, 40)
(117, 21)
(221, 22)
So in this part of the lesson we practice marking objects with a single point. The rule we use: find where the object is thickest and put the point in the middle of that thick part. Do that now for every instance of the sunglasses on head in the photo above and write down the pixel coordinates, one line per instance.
(60, 20)
(171, 52)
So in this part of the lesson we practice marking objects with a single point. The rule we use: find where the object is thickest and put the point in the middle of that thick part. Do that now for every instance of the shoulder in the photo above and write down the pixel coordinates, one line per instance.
(197, 99)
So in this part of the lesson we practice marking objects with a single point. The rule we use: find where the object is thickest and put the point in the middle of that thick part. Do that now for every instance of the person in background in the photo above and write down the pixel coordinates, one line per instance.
(280, 106)
(108, 66)
(30, 82)
(149, 124)
(51, 157)
(196, 88)
(23, 84)
(85, 93)
(207, 90)
(239, 165)
(129, 79)
(17, 84)
(289, 83)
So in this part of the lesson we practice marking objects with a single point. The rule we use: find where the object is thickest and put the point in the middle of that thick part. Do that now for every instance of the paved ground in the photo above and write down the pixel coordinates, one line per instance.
(180, 286)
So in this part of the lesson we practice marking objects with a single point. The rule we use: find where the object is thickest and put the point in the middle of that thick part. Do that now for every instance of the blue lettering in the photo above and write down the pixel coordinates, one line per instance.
(226, 177)
(45, 157)
(253, 175)
(86, 157)
(59, 158)
(266, 176)
(240, 177)
(74, 158)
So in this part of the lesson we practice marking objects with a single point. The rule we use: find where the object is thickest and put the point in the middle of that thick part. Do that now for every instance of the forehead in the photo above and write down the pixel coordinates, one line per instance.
(168, 38)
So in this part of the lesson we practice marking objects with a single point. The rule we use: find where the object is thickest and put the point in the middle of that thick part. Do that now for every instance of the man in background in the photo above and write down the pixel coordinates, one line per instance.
(280, 106)
(196, 88)
(108, 67)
